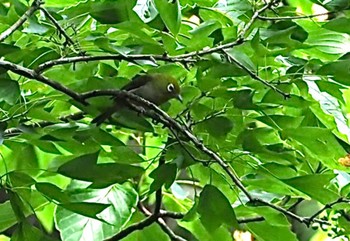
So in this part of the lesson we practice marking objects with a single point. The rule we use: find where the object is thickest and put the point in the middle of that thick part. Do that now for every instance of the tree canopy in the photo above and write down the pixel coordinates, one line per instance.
(259, 143)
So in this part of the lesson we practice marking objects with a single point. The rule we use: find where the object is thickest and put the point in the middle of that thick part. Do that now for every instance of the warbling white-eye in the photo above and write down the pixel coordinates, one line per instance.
(156, 88)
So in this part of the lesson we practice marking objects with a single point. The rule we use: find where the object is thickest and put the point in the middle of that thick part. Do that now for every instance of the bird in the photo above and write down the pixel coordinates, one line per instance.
(157, 88)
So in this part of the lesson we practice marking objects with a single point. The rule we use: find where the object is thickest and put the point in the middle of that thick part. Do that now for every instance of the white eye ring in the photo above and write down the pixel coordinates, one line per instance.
(170, 88)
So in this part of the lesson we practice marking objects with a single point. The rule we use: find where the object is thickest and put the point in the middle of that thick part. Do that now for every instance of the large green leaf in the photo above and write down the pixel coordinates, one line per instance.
(315, 186)
(170, 12)
(218, 126)
(164, 174)
(338, 25)
(263, 231)
(7, 216)
(9, 89)
(320, 142)
(109, 12)
(337, 69)
(102, 175)
(119, 200)
(197, 228)
(215, 209)
(25, 231)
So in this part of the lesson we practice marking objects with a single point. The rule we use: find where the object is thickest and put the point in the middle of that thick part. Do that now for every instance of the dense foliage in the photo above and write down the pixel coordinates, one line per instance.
(259, 144)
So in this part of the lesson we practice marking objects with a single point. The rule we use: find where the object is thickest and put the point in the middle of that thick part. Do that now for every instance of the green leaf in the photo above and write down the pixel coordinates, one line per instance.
(25, 231)
(9, 89)
(52, 191)
(215, 209)
(123, 154)
(338, 25)
(197, 228)
(35, 28)
(337, 5)
(101, 175)
(119, 201)
(243, 99)
(164, 174)
(286, 34)
(242, 58)
(87, 209)
(319, 142)
(7, 48)
(218, 126)
(263, 231)
(17, 206)
(315, 186)
(281, 121)
(7, 216)
(337, 69)
(138, 30)
(60, 4)
(20, 179)
(111, 11)
(327, 41)
(170, 12)
(206, 34)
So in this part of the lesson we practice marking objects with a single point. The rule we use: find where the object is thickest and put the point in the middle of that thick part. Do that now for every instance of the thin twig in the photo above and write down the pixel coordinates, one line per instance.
(35, 6)
(169, 214)
(304, 220)
(250, 220)
(132, 57)
(255, 76)
(68, 40)
(283, 18)
(327, 206)
(254, 17)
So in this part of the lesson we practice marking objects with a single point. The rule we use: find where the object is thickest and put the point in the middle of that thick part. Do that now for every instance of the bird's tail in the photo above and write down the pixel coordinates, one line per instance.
(105, 115)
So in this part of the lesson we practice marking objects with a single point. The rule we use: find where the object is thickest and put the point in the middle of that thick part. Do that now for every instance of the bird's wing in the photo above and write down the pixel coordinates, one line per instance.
(137, 82)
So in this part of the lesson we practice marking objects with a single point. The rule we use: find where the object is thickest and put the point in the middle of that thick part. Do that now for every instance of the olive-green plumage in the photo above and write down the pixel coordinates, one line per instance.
(156, 88)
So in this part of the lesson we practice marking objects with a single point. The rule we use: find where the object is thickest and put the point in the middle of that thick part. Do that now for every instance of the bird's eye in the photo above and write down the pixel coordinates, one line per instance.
(170, 88)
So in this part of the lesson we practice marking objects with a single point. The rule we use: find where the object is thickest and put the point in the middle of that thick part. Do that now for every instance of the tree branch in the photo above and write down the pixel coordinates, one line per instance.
(31, 74)
(161, 222)
(134, 227)
(169, 122)
(189, 57)
(15, 131)
(174, 215)
(304, 220)
(35, 6)
(327, 206)
(162, 117)
(158, 203)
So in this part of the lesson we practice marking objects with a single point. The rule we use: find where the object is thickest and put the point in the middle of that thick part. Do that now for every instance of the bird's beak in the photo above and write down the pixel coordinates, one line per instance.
(179, 97)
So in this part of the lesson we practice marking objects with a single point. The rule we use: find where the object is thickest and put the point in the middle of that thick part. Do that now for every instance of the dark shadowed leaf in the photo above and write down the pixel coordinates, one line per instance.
(101, 175)
(164, 174)
(215, 209)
